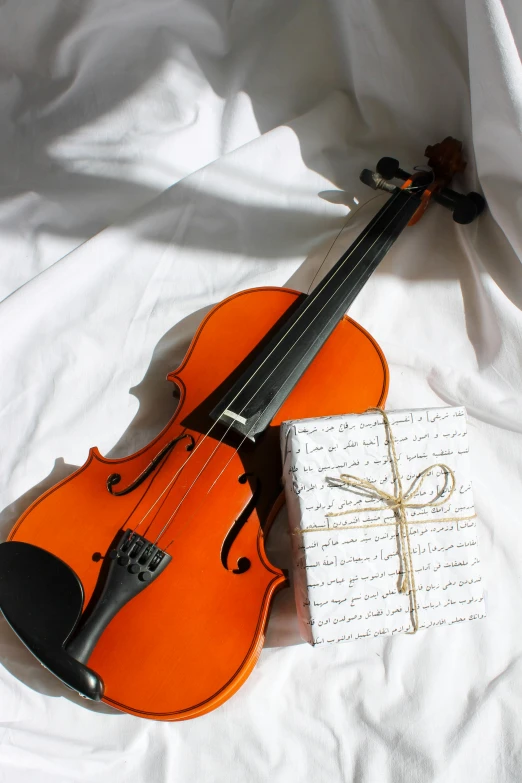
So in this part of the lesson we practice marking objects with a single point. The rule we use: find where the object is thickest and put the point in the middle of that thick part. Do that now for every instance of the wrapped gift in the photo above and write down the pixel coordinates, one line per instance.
(383, 524)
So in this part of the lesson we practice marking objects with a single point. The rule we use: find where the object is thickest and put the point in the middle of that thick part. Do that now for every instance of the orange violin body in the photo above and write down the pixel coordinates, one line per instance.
(186, 643)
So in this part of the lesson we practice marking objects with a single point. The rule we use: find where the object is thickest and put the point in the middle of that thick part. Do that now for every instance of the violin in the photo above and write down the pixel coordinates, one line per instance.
(143, 581)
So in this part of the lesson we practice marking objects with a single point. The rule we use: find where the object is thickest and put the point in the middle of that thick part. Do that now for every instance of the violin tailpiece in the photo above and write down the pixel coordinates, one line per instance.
(132, 565)
(41, 598)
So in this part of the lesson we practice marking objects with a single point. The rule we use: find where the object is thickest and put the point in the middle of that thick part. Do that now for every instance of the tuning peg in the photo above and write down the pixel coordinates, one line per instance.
(465, 208)
(468, 208)
(389, 168)
(376, 181)
(465, 211)
(479, 201)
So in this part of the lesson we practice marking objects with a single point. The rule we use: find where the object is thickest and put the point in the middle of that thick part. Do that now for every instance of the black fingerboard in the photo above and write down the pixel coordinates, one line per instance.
(253, 400)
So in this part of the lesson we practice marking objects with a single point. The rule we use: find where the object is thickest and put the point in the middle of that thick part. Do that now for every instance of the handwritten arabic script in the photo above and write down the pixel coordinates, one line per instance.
(346, 581)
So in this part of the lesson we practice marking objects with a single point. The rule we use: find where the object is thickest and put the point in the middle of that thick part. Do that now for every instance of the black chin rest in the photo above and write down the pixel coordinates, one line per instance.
(42, 598)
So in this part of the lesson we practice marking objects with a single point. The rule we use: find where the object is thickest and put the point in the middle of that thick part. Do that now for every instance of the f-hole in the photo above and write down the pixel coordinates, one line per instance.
(115, 478)
(243, 563)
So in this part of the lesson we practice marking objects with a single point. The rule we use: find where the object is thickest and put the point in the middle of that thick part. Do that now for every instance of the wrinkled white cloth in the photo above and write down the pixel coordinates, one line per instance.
(157, 157)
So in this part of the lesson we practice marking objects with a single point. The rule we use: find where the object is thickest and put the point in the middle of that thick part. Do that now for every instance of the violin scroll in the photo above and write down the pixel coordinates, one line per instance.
(445, 159)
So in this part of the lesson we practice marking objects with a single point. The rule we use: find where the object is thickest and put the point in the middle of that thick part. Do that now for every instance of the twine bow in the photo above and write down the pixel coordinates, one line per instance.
(398, 503)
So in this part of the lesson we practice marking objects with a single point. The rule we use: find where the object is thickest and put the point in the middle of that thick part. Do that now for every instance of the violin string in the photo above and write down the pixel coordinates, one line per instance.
(207, 434)
(173, 514)
(321, 288)
(154, 477)
(349, 217)
(236, 450)
(169, 485)
(309, 303)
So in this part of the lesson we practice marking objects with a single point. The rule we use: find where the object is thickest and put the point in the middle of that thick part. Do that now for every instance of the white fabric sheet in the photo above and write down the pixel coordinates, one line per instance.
(155, 158)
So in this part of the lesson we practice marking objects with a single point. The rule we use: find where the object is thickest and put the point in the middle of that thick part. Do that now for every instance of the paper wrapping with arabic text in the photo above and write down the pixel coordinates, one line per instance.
(346, 581)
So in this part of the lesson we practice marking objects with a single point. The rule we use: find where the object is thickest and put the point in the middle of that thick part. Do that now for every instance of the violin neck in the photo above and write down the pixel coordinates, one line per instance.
(251, 403)
(336, 292)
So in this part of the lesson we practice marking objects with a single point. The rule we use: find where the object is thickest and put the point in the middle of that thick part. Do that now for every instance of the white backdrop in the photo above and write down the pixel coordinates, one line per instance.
(156, 157)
